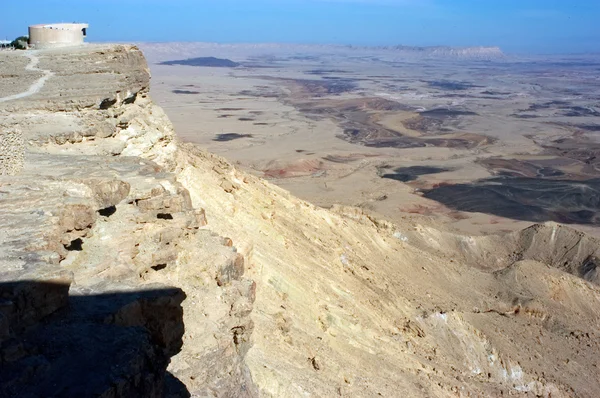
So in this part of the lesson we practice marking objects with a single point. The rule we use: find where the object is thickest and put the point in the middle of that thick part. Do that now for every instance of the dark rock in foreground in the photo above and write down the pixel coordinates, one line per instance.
(98, 244)
(87, 345)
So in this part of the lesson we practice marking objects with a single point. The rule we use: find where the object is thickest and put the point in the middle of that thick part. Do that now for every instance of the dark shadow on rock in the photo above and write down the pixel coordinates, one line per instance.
(319, 88)
(204, 61)
(87, 344)
(230, 137)
(406, 174)
(451, 85)
(320, 72)
(177, 91)
(527, 199)
(532, 168)
(174, 388)
(446, 112)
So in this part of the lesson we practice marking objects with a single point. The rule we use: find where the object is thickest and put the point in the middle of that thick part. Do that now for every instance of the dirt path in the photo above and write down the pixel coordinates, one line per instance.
(37, 85)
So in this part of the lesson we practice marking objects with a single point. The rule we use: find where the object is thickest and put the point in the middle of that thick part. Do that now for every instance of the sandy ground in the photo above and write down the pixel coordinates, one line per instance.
(292, 133)
(37, 85)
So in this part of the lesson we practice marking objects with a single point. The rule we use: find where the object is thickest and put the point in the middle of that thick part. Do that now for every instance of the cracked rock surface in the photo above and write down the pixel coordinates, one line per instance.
(283, 298)
(100, 246)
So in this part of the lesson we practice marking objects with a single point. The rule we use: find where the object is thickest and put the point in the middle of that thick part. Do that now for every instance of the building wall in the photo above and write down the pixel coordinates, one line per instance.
(56, 35)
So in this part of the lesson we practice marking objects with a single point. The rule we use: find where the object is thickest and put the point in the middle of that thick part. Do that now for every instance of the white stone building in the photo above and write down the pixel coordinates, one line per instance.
(57, 35)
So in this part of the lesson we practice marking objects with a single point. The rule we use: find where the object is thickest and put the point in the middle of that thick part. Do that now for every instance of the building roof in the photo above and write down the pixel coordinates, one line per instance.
(62, 26)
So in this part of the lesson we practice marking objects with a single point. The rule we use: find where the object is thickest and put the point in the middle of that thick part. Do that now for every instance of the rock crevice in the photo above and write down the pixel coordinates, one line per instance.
(101, 245)
(112, 221)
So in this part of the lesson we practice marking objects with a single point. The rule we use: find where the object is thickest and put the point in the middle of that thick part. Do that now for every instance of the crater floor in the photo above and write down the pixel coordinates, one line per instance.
(323, 122)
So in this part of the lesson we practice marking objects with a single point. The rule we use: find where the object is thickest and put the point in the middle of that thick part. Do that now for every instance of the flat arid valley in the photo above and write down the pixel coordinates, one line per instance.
(472, 139)
(280, 220)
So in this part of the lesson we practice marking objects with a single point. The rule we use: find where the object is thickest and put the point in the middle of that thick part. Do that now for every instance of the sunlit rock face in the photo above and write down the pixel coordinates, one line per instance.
(102, 245)
(133, 243)
(12, 151)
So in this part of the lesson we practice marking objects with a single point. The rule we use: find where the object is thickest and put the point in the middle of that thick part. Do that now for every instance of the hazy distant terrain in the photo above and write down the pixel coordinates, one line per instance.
(481, 140)
(134, 264)
(203, 61)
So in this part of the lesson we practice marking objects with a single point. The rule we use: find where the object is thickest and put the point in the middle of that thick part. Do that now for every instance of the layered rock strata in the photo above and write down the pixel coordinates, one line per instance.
(342, 303)
(100, 241)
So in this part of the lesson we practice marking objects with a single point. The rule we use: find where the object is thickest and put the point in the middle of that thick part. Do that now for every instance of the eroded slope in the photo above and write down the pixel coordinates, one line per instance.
(345, 304)
(98, 213)
(362, 307)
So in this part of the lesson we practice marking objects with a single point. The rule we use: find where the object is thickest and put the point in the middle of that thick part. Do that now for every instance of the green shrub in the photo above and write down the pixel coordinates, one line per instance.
(20, 43)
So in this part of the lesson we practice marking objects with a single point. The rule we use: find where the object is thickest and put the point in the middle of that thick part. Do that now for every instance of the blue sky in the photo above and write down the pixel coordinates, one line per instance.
(518, 26)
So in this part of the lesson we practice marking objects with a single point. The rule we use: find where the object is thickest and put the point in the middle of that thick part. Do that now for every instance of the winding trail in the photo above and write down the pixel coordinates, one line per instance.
(37, 85)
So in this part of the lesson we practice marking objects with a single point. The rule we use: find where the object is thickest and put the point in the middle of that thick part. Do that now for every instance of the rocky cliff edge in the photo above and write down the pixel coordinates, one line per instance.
(100, 241)
(283, 298)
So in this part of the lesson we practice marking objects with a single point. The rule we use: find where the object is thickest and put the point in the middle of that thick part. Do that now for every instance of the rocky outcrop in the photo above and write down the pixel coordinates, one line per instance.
(68, 331)
(104, 345)
(351, 305)
(556, 245)
(12, 151)
(282, 298)
(100, 242)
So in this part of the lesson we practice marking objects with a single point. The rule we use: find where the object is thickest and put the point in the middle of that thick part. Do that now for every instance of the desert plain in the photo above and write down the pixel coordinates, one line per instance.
(472, 141)
(282, 297)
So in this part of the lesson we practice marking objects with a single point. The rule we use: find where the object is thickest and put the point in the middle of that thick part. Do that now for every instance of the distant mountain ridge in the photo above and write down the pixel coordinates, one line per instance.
(204, 61)
(168, 51)
(479, 52)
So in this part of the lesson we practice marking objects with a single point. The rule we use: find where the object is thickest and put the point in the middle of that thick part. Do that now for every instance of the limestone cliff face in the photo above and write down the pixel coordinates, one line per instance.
(353, 306)
(283, 298)
(100, 242)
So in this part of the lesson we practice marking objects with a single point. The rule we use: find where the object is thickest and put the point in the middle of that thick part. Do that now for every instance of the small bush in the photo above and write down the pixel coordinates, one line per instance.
(20, 43)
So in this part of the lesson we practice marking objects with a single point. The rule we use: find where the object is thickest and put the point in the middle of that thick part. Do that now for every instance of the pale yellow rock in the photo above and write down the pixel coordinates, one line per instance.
(345, 304)
(12, 151)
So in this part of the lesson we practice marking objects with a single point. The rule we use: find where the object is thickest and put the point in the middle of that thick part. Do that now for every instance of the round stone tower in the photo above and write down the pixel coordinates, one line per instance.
(57, 35)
